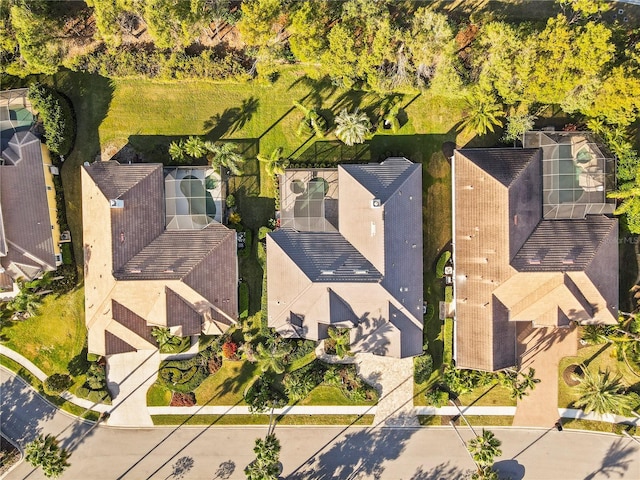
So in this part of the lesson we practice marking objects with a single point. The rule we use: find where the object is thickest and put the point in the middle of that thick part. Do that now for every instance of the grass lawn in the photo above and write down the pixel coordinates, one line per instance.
(158, 396)
(53, 338)
(227, 385)
(329, 395)
(603, 358)
(593, 425)
(491, 395)
(56, 400)
(487, 420)
(262, 419)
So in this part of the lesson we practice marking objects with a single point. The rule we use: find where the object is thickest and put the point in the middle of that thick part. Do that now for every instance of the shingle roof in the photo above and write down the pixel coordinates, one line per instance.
(326, 256)
(503, 164)
(25, 210)
(563, 245)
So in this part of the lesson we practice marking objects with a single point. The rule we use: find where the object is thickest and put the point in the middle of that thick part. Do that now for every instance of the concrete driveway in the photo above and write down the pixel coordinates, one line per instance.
(129, 377)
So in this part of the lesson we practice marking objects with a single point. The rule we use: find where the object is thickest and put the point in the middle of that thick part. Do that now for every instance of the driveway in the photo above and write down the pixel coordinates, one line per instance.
(129, 377)
(542, 349)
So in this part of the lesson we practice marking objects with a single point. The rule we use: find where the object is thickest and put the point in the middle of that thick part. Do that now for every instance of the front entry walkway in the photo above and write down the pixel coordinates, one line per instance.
(393, 378)
(542, 349)
(130, 375)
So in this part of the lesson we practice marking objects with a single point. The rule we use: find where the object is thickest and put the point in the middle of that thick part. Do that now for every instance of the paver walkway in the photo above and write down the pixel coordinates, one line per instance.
(542, 350)
(393, 378)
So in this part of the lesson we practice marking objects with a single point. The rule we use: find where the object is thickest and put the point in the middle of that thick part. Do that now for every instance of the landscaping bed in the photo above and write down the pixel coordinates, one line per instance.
(9, 455)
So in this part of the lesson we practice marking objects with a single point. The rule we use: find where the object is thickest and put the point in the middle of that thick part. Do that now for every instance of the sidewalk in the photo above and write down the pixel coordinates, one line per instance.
(40, 375)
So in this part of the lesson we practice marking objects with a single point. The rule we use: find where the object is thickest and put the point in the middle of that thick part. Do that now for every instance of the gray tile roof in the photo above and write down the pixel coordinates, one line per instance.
(382, 179)
(563, 245)
(25, 211)
(368, 271)
(326, 256)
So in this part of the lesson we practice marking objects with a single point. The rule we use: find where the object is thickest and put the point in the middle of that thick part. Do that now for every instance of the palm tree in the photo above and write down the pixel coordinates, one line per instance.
(483, 113)
(484, 448)
(176, 151)
(272, 355)
(26, 302)
(342, 341)
(312, 122)
(46, 453)
(629, 193)
(194, 147)
(266, 464)
(225, 155)
(594, 334)
(162, 335)
(602, 393)
(485, 473)
(353, 127)
(275, 164)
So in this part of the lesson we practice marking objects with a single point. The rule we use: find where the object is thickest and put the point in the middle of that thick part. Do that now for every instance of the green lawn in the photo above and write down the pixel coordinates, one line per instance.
(52, 339)
(262, 419)
(603, 358)
(328, 395)
(491, 395)
(227, 385)
(158, 396)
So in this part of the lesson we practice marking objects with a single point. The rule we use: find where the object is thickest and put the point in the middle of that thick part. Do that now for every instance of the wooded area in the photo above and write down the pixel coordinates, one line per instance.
(582, 60)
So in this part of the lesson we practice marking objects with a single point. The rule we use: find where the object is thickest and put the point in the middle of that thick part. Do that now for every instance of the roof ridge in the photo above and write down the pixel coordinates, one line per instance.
(208, 252)
(404, 181)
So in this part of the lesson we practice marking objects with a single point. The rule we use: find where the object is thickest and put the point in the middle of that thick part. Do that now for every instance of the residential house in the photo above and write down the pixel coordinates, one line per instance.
(533, 244)
(154, 256)
(349, 254)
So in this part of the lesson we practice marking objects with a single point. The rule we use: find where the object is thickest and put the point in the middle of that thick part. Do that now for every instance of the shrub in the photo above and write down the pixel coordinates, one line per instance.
(57, 383)
(96, 378)
(68, 279)
(442, 261)
(183, 375)
(422, 368)
(448, 294)
(231, 201)
(263, 395)
(243, 299)
(96, 396)
(261, 254)
(56, 115)
(235, 218)
(183, 399)
(229, 349)
(262, 232)
(437, 397)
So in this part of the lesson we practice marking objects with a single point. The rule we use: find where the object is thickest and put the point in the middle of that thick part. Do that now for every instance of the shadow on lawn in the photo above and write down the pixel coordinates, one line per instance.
(231, 119)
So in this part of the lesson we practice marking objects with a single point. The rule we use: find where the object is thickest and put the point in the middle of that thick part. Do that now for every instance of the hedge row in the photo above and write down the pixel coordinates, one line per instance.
(243, 298)
(442, 261)
(57, 118)
(183, 375)
(143, 62)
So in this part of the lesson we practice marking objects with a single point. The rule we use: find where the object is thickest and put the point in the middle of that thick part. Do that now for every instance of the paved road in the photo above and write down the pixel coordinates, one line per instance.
(308, 453)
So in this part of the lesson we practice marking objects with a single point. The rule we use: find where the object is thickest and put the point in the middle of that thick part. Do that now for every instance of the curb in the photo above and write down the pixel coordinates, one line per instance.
(20, 460)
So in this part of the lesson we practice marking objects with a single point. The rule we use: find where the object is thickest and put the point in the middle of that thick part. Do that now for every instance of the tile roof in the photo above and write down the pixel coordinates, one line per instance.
(114, 180)
(563, 245)
(181, 313)
(368, 274)
(25, 210)
(511, 265)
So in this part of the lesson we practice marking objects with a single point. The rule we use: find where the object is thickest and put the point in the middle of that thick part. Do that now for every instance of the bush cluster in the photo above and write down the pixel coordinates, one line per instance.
(422, 368)
(57, 383)
(57, 117)
(133, 61)
(183, 375)
(442, 261)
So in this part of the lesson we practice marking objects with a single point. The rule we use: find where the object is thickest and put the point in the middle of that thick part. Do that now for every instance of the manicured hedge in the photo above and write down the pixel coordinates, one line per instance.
(57, 118)
(448, 294)
(442, 261)
(183, 375)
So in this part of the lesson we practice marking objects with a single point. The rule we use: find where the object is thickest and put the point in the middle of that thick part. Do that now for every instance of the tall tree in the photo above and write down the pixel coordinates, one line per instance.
(629, 194)
(45, 452)
(484, 449)
(352, 128)
(309, 28)
(602, 393)
(274, 164)
(258, 25)
(225, 155)
(483, 113)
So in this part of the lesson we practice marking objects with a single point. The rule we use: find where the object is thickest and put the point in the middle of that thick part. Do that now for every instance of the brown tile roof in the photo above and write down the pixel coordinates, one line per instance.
(181, 313)
(498, 232)
(25, 211)
(115, 345)
(131, 321)
(563, 245)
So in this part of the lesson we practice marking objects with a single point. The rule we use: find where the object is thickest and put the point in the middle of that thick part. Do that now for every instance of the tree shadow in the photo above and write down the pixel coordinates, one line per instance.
(616, 461)
(231, 119)
(359, 454)
(225, 470)
(441, 472)
(319, 90)
(79, 364)
(510, 469)
(181, 467)
(23, 411)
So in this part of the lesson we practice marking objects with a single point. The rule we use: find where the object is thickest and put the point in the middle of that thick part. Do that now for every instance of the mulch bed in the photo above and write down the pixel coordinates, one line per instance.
(570, 373)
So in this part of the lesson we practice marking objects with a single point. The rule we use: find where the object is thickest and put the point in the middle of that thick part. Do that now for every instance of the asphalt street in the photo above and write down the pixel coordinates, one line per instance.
(308, 453)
